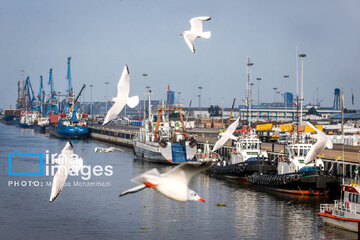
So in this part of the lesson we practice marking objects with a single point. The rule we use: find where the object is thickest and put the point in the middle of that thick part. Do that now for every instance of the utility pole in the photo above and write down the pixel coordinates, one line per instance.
(302, 55)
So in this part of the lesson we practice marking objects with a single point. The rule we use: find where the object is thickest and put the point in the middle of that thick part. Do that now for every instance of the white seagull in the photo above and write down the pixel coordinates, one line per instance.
(226, 135)
(322, 142)
(196, 31)
(66, 164)
(122, 97)
(173, 183)
(106, 150)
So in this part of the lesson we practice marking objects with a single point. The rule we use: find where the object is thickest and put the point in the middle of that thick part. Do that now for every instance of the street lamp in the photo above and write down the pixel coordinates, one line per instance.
(258, 79)
(286, 96)
(91, 103)
(302, 55)
(144, 75)
(200, 88)
(106, 97)
(275, 88)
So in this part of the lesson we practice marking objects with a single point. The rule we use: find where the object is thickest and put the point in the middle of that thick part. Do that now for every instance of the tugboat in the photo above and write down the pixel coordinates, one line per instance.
(344, 213)
(27, 119)
(163, 141)
(246, 159)
(296, 177)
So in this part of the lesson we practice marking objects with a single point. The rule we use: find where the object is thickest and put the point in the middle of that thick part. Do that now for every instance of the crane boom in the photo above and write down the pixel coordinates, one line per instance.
(232, 108)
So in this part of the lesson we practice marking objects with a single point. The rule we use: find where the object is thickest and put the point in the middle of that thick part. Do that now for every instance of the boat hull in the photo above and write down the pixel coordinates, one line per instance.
(304, 183)
(170, 154)
(341, 222)
(40, 129)
(241, 171)
(70, 132)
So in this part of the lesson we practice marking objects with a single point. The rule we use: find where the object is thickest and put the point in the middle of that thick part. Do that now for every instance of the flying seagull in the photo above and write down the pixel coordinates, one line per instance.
(322, 142)
(122, 97)
(173, 183)
(66, 164)
(196, 31)
(106, 150)
(226, 135)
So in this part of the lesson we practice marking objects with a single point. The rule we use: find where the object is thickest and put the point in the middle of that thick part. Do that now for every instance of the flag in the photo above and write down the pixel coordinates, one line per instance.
(356, 171)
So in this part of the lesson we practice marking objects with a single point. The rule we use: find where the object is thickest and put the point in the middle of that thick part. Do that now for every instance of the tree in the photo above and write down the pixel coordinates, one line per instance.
(214, 111)
(312, 111)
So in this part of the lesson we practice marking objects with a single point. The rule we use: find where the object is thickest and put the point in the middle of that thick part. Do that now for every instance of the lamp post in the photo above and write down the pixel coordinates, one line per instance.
(258, 79)
(91, 103)
(200, 88)
(302, 55)
(144, 75)
(106, 97)
(285, 95)
(275, 88)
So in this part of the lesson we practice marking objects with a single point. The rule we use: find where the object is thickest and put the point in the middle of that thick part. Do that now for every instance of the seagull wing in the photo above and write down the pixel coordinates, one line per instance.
(133, 190)
(124, 84)
(316, 149)
(189, 39)
(59, 181)
(183, 173)
(62, 172)
(114, 111)
(197, 24)
(231, 129)
(321, 134)
(220, 142)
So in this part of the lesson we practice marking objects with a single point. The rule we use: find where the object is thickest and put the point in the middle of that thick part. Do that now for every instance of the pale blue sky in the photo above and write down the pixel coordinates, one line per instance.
(102, 36)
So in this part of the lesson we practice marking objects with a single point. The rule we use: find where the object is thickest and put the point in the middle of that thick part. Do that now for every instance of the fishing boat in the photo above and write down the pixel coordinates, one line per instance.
(344, 213)
(296, 177)
(162, 139)
(246, 159)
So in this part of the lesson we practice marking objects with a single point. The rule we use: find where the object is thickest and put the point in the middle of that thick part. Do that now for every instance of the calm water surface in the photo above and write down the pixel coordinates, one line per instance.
(96, 212)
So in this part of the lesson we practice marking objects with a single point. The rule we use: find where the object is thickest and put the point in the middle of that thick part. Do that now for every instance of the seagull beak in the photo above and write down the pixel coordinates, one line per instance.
(181, 34)
(201, 200)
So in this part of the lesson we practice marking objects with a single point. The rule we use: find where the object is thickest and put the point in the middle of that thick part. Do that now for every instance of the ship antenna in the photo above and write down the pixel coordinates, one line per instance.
(342, 132)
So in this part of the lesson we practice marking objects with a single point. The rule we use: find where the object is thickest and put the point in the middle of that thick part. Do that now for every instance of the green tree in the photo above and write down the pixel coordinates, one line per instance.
(214, 111)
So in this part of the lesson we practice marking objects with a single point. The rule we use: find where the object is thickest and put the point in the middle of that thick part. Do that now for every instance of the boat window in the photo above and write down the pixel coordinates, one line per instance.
(350, 195)
(301, 152)
(296, 152)
(305, 152)
(356, 198)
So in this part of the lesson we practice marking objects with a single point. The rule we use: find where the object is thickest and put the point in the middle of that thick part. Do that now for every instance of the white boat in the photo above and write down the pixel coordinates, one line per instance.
(344, 213)
(164, 141)
(246, 159)
(247, 149)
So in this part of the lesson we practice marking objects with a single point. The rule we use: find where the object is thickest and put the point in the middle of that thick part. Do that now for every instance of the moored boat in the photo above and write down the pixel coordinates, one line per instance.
(344, 213)
(246, 159)
(296, 177)
(163, 140)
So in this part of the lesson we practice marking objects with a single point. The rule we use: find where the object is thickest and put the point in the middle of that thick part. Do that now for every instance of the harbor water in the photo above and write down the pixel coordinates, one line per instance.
(89, 207)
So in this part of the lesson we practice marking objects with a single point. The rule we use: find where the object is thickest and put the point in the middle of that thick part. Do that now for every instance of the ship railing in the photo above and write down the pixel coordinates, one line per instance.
(326, 207)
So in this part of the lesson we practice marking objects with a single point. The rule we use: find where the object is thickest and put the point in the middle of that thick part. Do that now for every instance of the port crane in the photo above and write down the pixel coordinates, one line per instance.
(70, 100)
(53, 101)
(30, 94)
